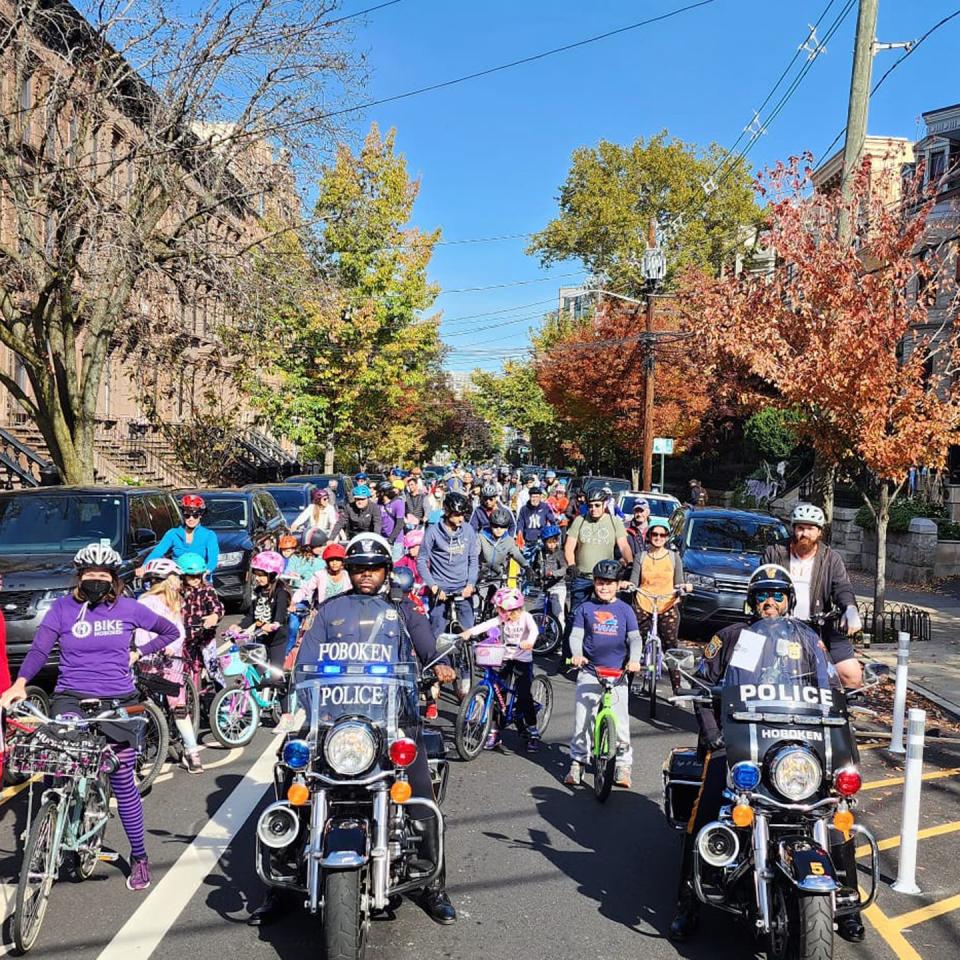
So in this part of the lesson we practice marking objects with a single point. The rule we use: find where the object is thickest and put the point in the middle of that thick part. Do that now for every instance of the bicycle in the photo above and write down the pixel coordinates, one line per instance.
(549, 631)
(462, 659)
(651, 666)
(74, 811)
(156, 740)
(475, 716)
(604, 744)
(155, 686)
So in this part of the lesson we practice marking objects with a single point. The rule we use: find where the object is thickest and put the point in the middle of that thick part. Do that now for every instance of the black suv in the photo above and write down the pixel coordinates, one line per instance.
(41, 530)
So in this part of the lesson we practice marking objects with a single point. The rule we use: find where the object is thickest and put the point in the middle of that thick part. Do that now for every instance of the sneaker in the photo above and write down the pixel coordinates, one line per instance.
(191, 762)
(139, 878)
(493, 740)
(432, 712)
(574, 775)
(621, 776)
(533, 743)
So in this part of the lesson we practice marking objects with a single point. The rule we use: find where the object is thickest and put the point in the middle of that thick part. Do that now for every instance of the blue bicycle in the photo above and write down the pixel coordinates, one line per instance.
(475, 716)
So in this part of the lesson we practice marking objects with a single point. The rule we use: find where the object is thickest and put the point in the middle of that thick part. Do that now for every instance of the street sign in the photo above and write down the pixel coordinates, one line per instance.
(663, 445)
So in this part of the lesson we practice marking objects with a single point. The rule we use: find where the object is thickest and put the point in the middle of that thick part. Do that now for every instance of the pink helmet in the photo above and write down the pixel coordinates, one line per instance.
(269, 561)
(507, 598)
(413, 539)
(160, 569)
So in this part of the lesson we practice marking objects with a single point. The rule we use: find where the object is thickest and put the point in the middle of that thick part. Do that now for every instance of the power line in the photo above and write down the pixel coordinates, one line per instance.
(493, 313)
(513, 283)
(360, 13)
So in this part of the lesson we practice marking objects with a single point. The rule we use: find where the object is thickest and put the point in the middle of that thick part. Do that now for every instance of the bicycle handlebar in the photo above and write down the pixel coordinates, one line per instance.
(119, 715)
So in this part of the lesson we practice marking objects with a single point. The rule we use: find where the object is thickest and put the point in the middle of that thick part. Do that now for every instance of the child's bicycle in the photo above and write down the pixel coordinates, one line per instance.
(604, 746)
(475, 716)
(651, 666)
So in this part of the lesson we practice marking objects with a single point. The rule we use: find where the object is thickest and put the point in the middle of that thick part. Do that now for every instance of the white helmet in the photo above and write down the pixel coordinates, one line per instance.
(160, 569)
(99, 555)
(808, 513)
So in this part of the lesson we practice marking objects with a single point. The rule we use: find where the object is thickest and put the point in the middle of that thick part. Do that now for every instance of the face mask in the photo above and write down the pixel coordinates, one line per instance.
(93, 591)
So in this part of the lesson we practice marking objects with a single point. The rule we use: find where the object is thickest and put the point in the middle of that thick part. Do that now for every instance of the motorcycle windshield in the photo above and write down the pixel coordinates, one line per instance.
(383, 694)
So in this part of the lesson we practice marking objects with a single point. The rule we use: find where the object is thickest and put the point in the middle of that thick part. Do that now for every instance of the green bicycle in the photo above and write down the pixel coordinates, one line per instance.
(74, 811)
(604, 748)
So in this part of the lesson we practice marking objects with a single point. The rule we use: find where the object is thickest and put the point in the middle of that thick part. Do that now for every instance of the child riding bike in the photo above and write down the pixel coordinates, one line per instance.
(658, 571)
(518, 632)
(497, 549)
(604, 634)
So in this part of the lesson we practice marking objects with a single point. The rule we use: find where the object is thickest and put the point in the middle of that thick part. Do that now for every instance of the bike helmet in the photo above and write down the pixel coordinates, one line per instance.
(549, 531)
(413, 539)
(191, 501)
(386, 486)
(368, 550)
(333, 551)
(287, 542)
(315, 538)
(269, 561)
(536, 491)
(160, 569)
(192, 564)
(456, 503)
(607, 570)
(361, 492)
(508, 598)
(489, 491)
(771, 577)
(97, 556)
(658, 523)
(359, 477)
(320, 496)
(808, 513)
(501, 517)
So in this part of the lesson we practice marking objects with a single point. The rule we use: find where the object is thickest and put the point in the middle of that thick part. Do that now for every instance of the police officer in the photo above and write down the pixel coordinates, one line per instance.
(386, 631)
(770, 593)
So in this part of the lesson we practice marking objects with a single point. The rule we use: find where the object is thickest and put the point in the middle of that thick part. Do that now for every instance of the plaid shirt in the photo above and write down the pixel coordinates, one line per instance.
(197, 604)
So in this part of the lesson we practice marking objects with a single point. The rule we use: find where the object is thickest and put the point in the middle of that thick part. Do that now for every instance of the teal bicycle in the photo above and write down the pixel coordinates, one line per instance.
(74, 810)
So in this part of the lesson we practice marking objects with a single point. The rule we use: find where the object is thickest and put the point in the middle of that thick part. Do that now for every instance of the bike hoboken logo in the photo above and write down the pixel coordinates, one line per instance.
(101, 628)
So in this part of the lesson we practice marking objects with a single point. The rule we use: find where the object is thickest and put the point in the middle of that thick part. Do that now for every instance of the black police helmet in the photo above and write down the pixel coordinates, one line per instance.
(770, 578)
(368, 550)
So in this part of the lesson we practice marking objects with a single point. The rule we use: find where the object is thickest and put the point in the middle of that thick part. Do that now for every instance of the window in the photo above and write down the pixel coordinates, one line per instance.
(26, 105)
(139, 516)
(73, 134)
(938, 161)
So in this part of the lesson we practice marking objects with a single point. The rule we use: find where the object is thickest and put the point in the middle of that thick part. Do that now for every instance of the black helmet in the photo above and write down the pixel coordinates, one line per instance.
(770, 577)
(489, 490)
(456, 503)
(385, 486)
(315, 538)
(500, 518)
(607, 570)
(402, 578)
(368, 550)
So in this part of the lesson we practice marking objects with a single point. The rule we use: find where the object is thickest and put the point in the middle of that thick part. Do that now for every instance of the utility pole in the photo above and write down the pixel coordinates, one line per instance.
(649, 363)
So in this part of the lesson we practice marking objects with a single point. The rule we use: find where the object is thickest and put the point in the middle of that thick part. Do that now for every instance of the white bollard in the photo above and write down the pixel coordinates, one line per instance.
(900, 692)
(907, 872)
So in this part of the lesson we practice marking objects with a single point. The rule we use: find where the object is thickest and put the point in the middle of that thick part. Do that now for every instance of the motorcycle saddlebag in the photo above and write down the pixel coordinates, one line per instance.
(433, 741)
(682, 775)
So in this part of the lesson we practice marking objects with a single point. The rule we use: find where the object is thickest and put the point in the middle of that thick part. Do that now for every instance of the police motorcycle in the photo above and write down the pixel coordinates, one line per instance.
(790, 793)
(344, 832)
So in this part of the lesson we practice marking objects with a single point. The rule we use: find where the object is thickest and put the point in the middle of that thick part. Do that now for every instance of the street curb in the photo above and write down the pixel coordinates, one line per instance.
(948, 706)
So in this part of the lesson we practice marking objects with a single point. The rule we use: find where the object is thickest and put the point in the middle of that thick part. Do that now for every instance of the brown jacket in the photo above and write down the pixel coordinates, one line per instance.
(830, 586)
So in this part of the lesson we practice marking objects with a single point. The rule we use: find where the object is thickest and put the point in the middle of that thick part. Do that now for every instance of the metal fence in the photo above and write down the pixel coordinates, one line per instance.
(896, 618)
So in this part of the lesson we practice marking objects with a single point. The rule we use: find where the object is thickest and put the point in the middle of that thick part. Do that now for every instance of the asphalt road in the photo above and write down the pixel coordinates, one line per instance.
(536, 869)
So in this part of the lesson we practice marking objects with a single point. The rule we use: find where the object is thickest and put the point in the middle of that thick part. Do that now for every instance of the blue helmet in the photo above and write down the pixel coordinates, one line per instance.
(192, 564)
(362, 490)
(550, 530)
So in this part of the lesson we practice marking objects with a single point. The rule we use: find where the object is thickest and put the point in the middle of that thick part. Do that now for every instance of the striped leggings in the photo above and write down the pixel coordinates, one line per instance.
(129, 802)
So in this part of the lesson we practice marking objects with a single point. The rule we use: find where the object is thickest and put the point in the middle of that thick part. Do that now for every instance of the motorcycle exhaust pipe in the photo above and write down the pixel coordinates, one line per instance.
(718, 845)
(278, 826)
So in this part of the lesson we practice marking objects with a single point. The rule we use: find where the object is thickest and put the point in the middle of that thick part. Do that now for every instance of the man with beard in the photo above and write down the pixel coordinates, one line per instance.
(822, 585)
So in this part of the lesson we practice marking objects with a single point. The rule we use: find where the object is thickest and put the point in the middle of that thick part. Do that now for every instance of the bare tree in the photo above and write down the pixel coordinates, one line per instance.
(144, 156)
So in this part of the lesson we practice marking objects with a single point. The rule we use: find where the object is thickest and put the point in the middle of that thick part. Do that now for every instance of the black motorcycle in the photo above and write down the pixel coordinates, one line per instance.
(792, 780)
(340, 832)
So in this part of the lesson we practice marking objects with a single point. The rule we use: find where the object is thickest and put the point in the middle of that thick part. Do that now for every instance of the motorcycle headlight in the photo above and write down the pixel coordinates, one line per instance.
(350, 748)
(796, 773)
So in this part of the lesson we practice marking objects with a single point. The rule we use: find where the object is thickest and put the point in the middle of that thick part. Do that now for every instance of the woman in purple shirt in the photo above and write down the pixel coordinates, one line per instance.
(93, 626)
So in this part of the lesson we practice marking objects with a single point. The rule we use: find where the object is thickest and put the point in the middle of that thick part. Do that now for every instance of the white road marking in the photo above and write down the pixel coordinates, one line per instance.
(149, 924)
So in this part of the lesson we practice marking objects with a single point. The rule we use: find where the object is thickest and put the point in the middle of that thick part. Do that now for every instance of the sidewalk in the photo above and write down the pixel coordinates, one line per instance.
(934, 663)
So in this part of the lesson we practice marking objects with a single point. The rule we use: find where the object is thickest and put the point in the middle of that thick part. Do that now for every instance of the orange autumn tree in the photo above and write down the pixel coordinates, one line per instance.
(845, 332)
(593, 377)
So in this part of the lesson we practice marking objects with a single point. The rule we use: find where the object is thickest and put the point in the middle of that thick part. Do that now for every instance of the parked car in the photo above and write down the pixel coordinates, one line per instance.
(291, 498)
(720, 550)
(237, 517)
(40, 531)
(617, 484)
(322, 480)
(661, 504)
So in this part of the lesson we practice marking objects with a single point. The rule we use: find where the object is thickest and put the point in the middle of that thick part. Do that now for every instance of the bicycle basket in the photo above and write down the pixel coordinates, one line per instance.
(154, 681)
(489, 654)
(58, 751)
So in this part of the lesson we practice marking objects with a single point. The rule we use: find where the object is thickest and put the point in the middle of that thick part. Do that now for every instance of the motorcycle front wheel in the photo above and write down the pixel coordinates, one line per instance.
(802, 927)
(344, 925)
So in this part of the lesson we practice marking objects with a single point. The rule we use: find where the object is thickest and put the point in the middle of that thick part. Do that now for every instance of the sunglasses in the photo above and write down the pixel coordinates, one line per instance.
(596, 503)
(657, 536)
(192, 513)
(765, 595)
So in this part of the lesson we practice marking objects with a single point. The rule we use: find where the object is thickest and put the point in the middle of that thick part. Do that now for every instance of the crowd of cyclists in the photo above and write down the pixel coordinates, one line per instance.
(467, 549)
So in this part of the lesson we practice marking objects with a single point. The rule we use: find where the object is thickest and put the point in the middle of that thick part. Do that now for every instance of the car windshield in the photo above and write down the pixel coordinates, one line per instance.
(734, 534)
(289, 497)
(659, 506)
(384, 694)
(225, 513)
(59, 524)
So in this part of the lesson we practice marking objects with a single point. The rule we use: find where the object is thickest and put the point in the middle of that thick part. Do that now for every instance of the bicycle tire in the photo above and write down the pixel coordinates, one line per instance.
(97, 804)
(605, 758)
(650, 681)
(156, 744)
(39, 859)
(250, 717)
(193, 703)
(175, 750)
(542, 692)
(474, 719)
(39, 698)
(549, 633)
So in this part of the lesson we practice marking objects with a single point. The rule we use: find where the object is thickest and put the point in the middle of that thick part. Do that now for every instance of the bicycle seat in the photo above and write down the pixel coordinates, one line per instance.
(609, 673)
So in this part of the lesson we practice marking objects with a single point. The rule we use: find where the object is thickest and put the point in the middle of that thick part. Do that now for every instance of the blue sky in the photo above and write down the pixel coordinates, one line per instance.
(492, 152)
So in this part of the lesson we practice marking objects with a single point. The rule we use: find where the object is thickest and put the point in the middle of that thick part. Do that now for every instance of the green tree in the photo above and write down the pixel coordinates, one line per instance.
(774, 431)
(612, 192)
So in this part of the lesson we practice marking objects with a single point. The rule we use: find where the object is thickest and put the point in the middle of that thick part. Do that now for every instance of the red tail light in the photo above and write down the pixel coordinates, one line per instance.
(848, 782)
(403, 752)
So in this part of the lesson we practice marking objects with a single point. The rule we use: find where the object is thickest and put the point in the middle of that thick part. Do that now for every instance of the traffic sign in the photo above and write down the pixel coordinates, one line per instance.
(663, 445)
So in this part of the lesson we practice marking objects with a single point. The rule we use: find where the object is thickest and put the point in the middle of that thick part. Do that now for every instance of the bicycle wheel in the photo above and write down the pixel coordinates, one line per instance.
(549, 633)
(156, 743)
(473, 722)
(96, 811)
(605, 758)
(193, 703)
(234, 717)
(36, 877)
(542, 692)
(651, 669)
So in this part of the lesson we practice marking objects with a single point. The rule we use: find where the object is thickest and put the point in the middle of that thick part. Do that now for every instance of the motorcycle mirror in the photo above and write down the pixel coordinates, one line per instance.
(874, 671)
(446, 644)
(677, 658)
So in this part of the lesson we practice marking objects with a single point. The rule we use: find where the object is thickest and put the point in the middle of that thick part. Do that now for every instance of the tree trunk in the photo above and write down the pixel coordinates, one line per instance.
(880, 582)
(328, 456)
(824, 480)
(635, 478)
